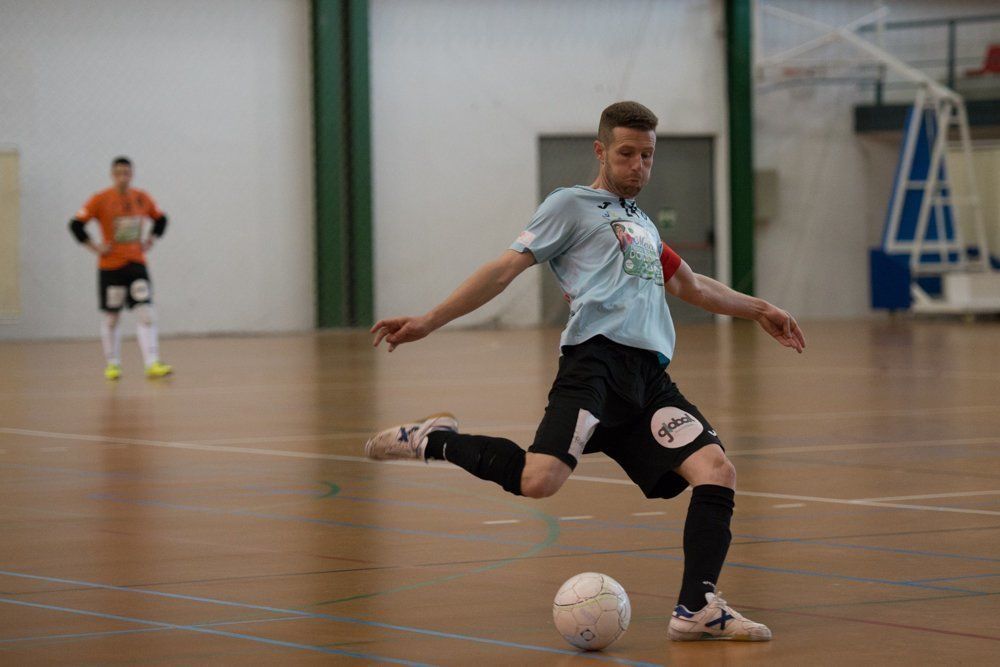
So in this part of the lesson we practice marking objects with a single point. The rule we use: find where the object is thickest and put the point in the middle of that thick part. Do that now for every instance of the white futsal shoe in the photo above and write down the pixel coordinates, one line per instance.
(716, 620)
(407, 441)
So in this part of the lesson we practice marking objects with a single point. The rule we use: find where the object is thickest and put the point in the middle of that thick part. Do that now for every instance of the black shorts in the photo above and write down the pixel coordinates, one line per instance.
(619, 400)
(127, 286)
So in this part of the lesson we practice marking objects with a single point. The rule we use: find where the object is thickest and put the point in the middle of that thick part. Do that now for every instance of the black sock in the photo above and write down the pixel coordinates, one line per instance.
(495, 459)
(706, 541)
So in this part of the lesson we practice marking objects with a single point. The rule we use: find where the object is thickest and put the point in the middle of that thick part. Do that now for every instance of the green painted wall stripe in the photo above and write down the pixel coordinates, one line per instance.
(332, 266)
(342, 138)
(740, 90)
(360, 165)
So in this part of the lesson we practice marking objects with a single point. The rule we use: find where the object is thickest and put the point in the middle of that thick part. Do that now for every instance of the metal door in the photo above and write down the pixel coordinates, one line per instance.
(679, 198)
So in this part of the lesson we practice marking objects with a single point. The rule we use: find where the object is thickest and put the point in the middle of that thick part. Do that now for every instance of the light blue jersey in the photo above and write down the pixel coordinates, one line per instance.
(605, 253)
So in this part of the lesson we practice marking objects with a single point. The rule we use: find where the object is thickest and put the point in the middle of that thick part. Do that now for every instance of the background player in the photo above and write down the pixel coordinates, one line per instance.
(122, 276)
(611, 393)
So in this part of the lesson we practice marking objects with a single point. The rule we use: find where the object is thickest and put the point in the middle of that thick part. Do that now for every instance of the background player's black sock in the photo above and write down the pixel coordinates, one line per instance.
(495, 459)
(706, 541)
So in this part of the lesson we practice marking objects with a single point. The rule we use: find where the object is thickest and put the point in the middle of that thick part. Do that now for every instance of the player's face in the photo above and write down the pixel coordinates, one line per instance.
(121, 174)
(627, 160)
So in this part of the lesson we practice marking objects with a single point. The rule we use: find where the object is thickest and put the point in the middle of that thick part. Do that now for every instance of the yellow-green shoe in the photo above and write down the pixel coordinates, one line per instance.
(158, 369)
(112, 372)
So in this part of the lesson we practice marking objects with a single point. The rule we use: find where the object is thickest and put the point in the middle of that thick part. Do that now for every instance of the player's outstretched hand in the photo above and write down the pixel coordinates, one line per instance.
(782, 327)
(399, 330)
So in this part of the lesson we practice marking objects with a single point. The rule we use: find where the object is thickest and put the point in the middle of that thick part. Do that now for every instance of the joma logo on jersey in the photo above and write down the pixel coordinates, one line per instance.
(673, 427)
(667, 429)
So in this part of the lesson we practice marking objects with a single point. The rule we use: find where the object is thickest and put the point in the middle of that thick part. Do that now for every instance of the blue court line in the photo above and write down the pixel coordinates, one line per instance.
(657, 528)
(968, 576)
(486, 538)
(108, 633)
(465, 537)
(221, 633)
(550, 540)
(792, 540)
(796, 540)
(665, 527)
(823, 575)
(314, 615)
(782, 570)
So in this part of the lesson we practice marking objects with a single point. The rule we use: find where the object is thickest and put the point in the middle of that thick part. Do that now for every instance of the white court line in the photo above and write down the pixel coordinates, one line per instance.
(446, 466)
(854, 414)
(788, 506)
(928, 496)
(809, 449)
(865, 503)
(497, 523)
(342, 435)
(648, 513)
(206, 448)
(289, 388)
(804, 449)
(954, 442)
(518, 381)
(576, 518)
(814, 499)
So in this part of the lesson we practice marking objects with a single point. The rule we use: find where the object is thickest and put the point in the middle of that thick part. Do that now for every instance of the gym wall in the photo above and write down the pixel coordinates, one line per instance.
(212, 102)
(462, 90)
(834, 185)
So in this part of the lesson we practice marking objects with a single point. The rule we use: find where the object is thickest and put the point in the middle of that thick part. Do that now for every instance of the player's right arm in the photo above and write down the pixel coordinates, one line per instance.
(77, 228)
(487, 282)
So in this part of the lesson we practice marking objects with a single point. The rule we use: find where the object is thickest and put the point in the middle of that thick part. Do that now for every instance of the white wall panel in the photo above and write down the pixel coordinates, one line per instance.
(212, 102)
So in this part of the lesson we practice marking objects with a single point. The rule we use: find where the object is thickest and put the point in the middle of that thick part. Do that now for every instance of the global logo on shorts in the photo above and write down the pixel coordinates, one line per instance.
(673, 427)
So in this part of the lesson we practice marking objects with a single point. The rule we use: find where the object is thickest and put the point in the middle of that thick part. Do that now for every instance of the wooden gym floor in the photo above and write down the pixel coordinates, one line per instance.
(224, 516)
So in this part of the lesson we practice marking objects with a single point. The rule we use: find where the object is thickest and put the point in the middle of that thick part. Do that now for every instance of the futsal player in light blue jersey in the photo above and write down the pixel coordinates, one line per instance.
(611, 393)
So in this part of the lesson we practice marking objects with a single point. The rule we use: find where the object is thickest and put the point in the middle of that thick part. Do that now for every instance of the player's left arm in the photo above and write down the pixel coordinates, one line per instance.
(159, 219)
(713, 296)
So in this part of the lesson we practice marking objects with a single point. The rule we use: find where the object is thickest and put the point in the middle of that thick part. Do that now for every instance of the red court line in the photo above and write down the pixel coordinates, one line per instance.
(855, 620)
(882, 623)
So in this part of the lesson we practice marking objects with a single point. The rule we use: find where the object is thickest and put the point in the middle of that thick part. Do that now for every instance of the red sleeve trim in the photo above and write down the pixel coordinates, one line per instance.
(669, 260)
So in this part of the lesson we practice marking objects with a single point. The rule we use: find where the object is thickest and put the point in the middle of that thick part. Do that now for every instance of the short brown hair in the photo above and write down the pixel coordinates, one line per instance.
(625, 114)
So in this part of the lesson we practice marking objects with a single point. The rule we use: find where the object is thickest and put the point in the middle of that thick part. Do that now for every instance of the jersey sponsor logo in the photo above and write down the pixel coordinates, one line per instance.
(525, 238)
(640, 250)
(128, 229)
(603, 205)
(673, 427)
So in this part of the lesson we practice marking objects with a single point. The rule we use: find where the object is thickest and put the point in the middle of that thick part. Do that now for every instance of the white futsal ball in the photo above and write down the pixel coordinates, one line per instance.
(591, 611)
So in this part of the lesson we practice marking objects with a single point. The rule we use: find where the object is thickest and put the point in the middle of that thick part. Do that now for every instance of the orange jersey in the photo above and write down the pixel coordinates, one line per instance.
(121, 217)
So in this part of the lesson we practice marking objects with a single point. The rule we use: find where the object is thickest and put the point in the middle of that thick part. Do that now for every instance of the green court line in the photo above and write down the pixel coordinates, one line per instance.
(334, 490)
